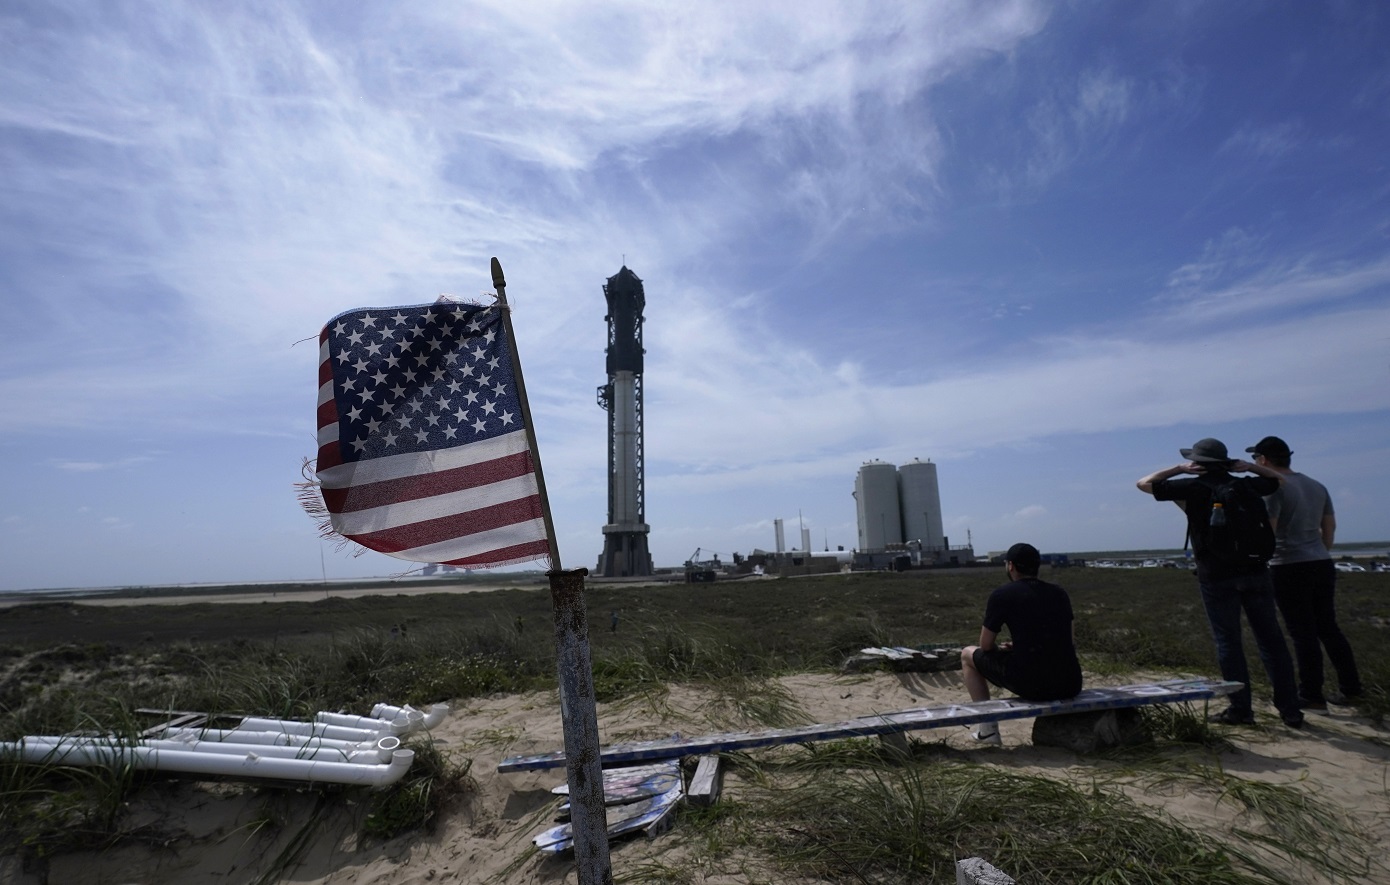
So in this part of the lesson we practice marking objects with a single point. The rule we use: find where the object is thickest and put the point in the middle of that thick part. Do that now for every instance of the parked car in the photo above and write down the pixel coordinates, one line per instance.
(1381, 567)
(1350, 567)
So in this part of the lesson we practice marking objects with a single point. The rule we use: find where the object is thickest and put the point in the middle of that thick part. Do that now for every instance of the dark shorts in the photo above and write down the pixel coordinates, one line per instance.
(992, 666)
(1033, 683)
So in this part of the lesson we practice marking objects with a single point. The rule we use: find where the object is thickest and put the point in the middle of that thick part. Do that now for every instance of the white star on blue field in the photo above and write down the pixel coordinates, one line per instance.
(1045, 245)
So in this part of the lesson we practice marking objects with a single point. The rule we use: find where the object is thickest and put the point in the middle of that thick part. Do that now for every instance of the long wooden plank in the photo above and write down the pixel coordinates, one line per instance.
(1110, 698)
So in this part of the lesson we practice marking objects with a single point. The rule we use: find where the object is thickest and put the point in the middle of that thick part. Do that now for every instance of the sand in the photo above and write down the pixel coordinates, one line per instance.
(210, 832)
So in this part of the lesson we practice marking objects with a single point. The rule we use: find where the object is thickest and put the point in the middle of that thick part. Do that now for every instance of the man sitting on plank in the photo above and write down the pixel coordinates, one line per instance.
(1039, 664)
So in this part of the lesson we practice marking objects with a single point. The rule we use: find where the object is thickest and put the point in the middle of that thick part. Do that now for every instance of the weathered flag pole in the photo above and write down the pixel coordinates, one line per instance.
(577, 711)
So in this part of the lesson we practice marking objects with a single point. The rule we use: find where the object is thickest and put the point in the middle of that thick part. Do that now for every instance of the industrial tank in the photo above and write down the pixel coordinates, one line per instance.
(877, 503)
(921, 504)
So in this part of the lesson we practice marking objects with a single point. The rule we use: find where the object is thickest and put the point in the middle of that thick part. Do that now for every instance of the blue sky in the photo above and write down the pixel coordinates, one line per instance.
(1043, 244)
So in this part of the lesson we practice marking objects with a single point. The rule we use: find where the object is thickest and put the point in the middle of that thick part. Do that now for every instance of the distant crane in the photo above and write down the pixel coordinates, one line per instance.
(702, 571)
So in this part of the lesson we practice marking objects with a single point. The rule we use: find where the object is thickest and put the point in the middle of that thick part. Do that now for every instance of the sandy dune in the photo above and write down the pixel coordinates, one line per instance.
(227, 833)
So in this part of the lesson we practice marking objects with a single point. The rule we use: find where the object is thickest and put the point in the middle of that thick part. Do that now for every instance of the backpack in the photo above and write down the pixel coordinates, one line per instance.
(1241, 534)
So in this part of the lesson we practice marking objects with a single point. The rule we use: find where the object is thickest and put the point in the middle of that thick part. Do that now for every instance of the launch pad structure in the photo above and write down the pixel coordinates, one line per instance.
(625, 552)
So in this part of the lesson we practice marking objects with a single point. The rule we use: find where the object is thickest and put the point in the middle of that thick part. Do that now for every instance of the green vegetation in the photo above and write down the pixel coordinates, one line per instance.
(68, 667)
(911, 823)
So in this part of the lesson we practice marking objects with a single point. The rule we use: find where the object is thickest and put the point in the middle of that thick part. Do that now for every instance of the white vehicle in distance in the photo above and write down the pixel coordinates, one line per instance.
(1349, 567)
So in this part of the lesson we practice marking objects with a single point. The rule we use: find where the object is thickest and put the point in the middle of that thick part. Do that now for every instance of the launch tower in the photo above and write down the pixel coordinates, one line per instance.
(625, 536)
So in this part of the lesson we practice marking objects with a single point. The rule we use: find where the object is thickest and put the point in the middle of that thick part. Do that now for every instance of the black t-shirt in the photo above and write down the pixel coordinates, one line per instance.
(1043, 665)
(1196, 494)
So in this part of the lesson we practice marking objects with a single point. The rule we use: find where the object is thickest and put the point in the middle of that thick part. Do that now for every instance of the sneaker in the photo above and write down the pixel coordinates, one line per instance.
(989, 739)
(1293, 720)
(1232, 716)
(1312, 706)
(1343, 699)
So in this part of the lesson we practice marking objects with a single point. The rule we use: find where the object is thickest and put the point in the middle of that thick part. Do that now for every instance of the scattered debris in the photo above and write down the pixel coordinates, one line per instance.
(901, 658)
(632, 806)
(975, 871)
(623, 785)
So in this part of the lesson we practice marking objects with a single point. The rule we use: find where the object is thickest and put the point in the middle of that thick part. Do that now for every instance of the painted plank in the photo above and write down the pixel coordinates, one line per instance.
(622, 785)
(706, 784)
(622, 777)
(645, 814)
(1108, 698)
(897, 652)
(915, 652)
(882, 652)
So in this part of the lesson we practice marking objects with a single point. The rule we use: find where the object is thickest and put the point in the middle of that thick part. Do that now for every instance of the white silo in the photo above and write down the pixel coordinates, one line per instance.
(877, 503)
(921, 504)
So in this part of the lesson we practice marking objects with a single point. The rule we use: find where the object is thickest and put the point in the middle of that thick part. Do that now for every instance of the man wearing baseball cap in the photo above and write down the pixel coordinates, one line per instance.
(1230, 587)
(1305, 580)
(1039, 663)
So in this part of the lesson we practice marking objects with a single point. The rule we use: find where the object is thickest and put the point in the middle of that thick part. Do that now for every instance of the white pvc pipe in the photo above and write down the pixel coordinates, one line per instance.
(433, 717)
(379, 750)
(397, 726)
(87, 751)
(413, 721)
(271, 738)
(349, 720)
(359, 754)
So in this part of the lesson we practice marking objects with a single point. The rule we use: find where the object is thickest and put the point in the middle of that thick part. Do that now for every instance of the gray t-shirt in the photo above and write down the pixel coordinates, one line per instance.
(1299, 506)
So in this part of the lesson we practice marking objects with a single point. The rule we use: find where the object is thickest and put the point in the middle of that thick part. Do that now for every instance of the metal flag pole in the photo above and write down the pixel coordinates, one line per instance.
(578, 714)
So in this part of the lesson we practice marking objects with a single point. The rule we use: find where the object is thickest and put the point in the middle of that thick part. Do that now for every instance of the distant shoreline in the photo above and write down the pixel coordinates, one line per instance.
(308, 591)
(289, 591)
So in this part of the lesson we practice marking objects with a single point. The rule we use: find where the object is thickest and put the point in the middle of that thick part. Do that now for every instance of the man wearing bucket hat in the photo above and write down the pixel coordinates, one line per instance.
(1304, 578)
(1228, 587)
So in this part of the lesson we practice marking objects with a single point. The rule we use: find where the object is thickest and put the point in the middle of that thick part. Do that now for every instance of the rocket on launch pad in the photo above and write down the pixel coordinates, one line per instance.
(625, 552)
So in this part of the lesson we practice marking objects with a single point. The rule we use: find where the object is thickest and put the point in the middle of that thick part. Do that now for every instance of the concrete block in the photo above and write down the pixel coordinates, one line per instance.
(1091, 731)
(13, 872)
(974, 871)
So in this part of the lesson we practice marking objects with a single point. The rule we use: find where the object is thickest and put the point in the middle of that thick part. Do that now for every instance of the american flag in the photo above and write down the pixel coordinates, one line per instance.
(422, 451)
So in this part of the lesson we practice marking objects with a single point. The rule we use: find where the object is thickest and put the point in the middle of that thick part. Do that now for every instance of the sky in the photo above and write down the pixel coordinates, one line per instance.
(1044, 245)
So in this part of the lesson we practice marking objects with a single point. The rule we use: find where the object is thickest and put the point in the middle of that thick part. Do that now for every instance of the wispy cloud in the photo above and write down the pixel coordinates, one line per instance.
(1081, 118)
(1264, 142)
(1235, 251)
(96, 466)
(786, 413)
(1231, 284)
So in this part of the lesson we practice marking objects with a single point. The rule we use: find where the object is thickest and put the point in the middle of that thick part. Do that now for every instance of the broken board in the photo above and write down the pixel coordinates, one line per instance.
(897, 653)
(621, 785)
(1109, 698)
(640, 815)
